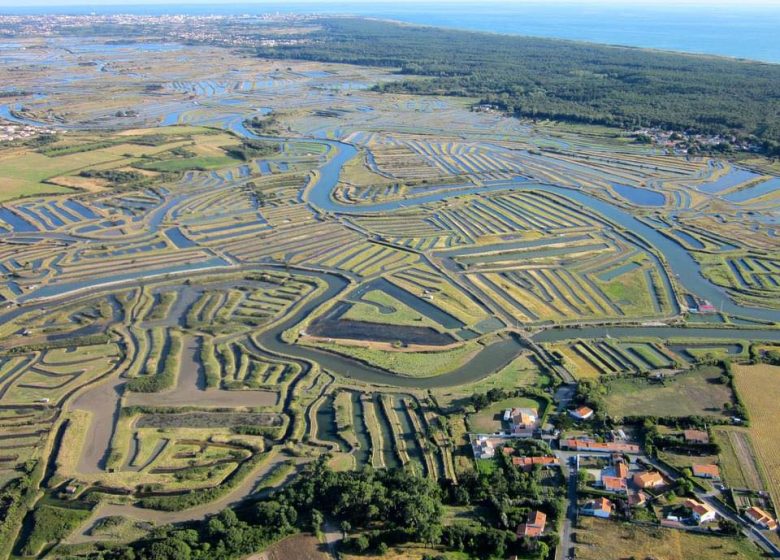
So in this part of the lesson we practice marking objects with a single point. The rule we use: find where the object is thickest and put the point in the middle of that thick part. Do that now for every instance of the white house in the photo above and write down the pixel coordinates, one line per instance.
(582, 413)
(484, 448)
(600, 507)
(701, 512)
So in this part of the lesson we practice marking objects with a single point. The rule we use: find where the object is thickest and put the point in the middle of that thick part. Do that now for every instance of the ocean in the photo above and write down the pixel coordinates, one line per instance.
(742, 31)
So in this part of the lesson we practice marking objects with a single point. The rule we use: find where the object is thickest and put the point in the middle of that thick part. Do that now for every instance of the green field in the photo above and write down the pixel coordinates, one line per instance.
(413, 364)
(386, 310)
(695, 393)
(185, 164)
(605, 539)
(489, 419)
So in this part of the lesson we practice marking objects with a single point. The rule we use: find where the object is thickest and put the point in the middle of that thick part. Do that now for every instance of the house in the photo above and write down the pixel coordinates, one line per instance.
(614, 484)
(523, 420)
(582, 413)
(701, 512)
(521, 416)
(621, 469)
(648, 479)
(711, 472)
(761, 518)
(696, 436)
(527, 464)
(483, 448)
(637, 499)
(614, 478)
(534, 526)
(600, 507)
(598, 447)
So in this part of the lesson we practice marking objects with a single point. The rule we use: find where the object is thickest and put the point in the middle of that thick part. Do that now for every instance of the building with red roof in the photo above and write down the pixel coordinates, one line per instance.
(534, 526)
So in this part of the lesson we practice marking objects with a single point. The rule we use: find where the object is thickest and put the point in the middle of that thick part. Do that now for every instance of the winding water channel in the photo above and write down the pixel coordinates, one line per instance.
(488, 360)
(496, 355)
(682, 264)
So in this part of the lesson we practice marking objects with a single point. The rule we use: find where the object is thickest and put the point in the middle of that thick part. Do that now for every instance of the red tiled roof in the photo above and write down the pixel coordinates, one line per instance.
(697, 507)
(761, 517)
(614, 484)
(535, 525)
(706, 471)
(583, 412)
(527, 463)
(648, 479)
(602, 504)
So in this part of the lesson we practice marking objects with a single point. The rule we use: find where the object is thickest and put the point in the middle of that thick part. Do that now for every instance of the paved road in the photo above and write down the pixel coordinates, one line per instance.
(710, 498)
(570, 521)
(748, 529)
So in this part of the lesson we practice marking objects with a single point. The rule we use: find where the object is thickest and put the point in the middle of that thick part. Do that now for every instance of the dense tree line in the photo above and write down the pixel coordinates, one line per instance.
(375, 509)
(115, 176)
(251, 149)
(557, 79)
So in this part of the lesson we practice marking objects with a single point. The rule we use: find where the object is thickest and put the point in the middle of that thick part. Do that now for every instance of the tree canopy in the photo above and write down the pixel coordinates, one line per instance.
(557, 79)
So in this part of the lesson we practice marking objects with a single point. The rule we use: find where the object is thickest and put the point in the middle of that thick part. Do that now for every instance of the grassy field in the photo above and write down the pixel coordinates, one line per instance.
(387, 311)
(22, 171)
(488, 420)
(685, 461)
(26, 172)
(574, 362)
(759, 388)
(118, 529)
(73, 442)
(414, 364)
(303, 547)
(693, 393)
(184, 164)
(408, 552)
(737, 458)
(522, 372)
(631, 292)
(602, 540)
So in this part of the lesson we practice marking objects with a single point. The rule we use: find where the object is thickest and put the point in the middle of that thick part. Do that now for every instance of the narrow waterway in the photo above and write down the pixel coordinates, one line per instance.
(682, 264)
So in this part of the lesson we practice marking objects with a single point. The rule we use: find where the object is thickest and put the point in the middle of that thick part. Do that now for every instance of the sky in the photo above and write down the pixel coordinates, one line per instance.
(277, 3)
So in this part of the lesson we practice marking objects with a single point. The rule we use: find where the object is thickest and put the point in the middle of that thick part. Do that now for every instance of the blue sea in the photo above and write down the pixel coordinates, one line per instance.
(738, 30)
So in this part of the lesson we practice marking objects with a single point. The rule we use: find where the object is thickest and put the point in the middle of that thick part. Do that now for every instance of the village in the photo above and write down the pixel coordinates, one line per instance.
(611, 477)
(11, 132)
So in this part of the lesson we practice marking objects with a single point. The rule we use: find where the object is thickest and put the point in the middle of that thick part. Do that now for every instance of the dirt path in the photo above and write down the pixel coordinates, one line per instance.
(236, 495)
(332, 536)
